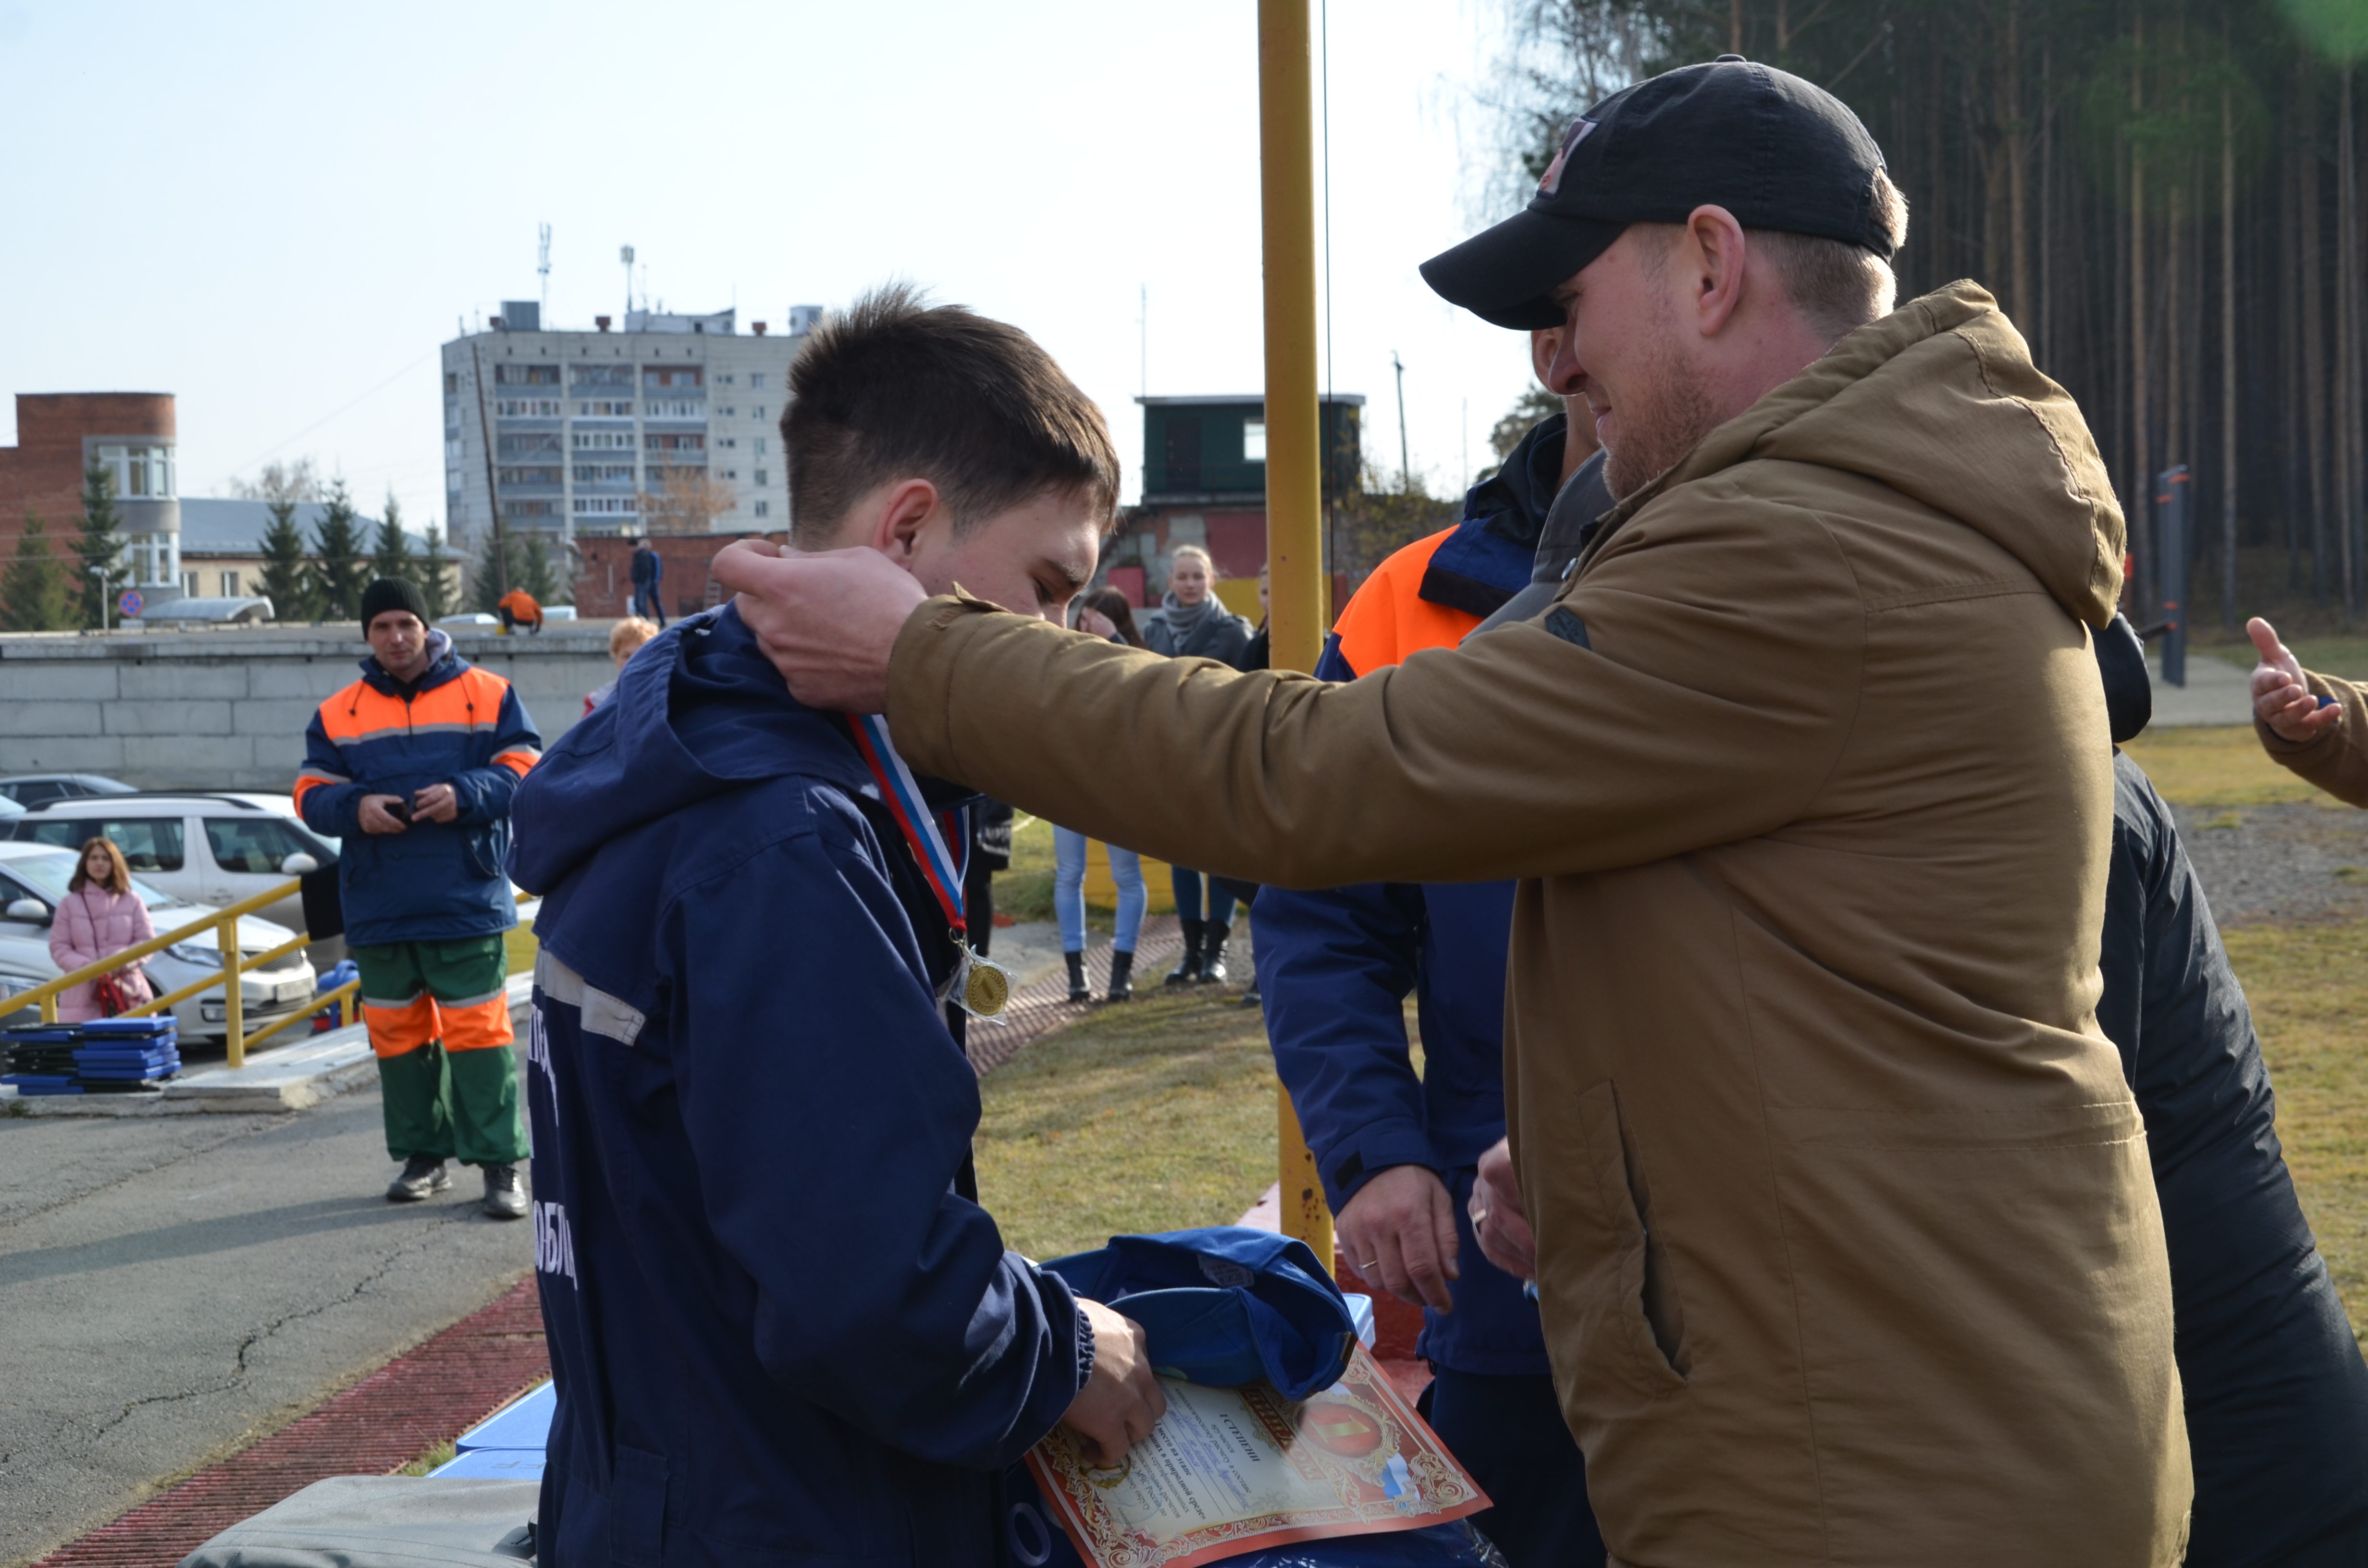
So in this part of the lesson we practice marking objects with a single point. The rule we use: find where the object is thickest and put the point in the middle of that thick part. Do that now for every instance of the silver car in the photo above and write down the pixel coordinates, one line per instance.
(34, 883)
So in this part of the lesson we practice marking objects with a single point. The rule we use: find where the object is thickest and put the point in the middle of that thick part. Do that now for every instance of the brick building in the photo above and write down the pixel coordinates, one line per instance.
(603, 584)
(58, 435)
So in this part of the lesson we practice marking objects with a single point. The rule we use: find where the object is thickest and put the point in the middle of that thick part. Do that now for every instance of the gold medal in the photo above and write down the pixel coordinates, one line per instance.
(986, 989)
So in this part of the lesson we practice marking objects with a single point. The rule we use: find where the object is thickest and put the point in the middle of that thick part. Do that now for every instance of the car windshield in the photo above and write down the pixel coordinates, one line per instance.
(53, 874)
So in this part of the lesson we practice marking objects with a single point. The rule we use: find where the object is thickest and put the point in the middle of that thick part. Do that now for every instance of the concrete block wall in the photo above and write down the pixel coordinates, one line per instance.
(227, 709)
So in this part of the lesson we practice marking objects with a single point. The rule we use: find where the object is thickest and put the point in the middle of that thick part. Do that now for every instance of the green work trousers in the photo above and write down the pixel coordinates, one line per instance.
(440, 1025)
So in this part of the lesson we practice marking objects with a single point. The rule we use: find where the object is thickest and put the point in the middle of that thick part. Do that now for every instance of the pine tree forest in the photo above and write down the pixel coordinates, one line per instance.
(2164, 195)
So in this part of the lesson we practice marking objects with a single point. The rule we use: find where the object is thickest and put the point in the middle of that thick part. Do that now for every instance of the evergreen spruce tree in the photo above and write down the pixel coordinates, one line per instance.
(286, 575)
(485, 582)
(34, 593)
(534, 573)
(392, 556)
(101, 544)
(340, 570)
(435, 574)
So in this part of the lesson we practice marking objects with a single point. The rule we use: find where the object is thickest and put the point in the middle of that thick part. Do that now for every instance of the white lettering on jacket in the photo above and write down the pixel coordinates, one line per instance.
(554, 1243)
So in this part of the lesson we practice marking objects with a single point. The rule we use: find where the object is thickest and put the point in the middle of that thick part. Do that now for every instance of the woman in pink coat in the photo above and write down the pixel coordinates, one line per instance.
(101, 916)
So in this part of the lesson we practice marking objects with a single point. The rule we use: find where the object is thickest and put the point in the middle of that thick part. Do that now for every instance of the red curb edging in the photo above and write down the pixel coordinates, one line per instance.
(429, 1396)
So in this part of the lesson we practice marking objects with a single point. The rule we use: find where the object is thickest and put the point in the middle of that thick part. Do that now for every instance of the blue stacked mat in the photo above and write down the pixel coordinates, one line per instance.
(40, 1057)
(126, 1055)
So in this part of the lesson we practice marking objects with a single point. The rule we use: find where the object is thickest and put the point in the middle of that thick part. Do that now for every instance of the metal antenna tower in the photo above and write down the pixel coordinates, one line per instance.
(543, 263)
(1405, 463)
(625, 254)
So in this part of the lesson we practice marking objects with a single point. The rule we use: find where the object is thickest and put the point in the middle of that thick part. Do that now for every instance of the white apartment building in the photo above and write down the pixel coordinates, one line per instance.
(568, 432)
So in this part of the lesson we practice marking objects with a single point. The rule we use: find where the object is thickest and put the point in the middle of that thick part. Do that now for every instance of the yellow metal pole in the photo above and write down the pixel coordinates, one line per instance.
(1294, 486)
(234, 1002)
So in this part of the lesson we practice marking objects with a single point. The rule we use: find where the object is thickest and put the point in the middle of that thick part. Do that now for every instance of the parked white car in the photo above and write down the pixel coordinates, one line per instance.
(34, 880)
(200, 848)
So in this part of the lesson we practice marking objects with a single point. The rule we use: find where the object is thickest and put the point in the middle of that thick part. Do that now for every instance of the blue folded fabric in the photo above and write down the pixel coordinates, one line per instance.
(1223, 1305)
(154, 1024)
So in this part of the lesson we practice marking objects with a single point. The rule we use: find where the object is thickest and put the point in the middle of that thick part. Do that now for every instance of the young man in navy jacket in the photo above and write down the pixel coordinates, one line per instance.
(783, 1328)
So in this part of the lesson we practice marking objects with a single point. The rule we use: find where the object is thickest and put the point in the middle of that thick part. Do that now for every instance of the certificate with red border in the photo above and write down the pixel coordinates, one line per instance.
(1230, 1470)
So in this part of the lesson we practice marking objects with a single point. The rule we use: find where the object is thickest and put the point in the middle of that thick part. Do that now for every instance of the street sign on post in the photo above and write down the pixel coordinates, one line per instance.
(129, 603)
(2173, 498)
(1294, 504)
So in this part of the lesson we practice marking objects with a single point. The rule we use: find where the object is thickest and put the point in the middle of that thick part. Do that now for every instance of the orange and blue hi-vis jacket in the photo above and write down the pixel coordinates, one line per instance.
(457, 725)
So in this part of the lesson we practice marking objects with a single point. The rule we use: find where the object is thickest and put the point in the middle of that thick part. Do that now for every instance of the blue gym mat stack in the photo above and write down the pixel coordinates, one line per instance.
(125, 1056)
(41, 1057)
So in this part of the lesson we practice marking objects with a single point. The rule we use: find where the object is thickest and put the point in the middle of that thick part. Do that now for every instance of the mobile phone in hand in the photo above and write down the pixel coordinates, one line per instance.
(399, 809)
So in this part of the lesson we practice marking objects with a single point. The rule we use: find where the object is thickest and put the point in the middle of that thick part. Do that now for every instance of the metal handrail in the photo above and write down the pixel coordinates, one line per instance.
(343, 996)
(225, 922)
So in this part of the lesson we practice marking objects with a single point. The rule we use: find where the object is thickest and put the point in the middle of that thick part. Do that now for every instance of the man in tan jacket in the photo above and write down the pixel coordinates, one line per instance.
(1846, 1236)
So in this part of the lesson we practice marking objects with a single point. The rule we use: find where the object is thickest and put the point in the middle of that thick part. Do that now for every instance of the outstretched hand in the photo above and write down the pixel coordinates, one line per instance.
(1498, 1218)
(2283, 699)
(828, 621)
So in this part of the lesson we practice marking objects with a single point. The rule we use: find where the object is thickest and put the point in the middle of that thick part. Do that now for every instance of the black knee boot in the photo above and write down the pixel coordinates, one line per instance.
(1077, 992)
(1213, 953)
(1121, 986)
(1188, 971)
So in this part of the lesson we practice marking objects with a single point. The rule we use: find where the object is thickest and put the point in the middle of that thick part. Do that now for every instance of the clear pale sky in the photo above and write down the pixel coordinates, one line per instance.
(277, 211)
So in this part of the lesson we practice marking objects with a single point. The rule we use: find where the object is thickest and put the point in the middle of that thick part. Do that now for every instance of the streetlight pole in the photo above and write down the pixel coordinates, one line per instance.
(100, 573)
(1294, 491)
(1406, 461)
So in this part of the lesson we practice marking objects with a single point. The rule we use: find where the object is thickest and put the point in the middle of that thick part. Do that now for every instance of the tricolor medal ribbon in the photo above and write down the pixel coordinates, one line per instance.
(979, 986)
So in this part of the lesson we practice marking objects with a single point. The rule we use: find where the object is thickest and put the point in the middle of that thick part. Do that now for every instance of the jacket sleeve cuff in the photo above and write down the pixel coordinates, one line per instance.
(921, 670)
(1348, 1164)
(2336, 761)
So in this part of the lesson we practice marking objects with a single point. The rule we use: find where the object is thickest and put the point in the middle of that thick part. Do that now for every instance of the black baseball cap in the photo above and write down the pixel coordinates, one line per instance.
(1777, 152)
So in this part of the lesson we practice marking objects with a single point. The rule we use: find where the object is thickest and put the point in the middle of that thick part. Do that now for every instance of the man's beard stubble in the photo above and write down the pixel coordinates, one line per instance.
(1661, 423)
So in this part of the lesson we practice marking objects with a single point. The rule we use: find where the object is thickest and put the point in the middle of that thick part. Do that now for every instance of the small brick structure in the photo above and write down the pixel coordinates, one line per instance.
(43, 471)
(604, 584)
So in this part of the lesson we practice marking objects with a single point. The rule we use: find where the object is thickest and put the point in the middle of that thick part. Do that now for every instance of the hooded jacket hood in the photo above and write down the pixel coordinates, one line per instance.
(1939, 401)
(698, 710)
(443, 664)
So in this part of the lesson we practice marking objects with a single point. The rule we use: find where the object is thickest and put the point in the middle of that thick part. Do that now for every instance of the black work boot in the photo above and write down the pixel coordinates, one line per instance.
(1121, 986)
(504, 1193)
(1213, 953)
(421, 1178)
(1186, 972)
(1079, 990)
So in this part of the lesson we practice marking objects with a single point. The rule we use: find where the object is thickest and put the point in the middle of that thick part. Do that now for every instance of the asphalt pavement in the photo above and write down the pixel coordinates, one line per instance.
(172, 1288)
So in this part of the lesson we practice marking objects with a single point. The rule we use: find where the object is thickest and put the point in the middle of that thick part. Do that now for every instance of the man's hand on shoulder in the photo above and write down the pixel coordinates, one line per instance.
(827, 620)
(1400, 1233)
(1122, 1401)
(2283, 699)
(376, 818)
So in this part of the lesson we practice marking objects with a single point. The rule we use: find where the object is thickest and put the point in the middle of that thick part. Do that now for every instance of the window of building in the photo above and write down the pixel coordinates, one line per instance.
(523, 510)
(140, 469)
(526, 375)
(540, 444)
(760, 477)
(760, 446)
(683, 443)
(728, 441)
(584, 377)
(230, 584)
(1253, 442)
(452, 449)
(603, 473)
(757, 378)
(602, 440)
(664, 378)
(190, 583)
(657, 409)
(527, 408)
(604, 505)
(764, 509)
(508, 476)
(731, 473)
(727, 380)
(604, 409)
(729, 410)
(451, 383)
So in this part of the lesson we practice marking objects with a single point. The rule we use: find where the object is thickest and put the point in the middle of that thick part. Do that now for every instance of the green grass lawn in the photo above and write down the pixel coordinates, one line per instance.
(2218, 767)
(1152, 1115)
(2343, 656)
